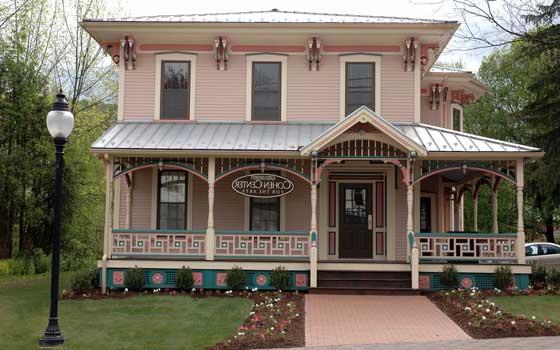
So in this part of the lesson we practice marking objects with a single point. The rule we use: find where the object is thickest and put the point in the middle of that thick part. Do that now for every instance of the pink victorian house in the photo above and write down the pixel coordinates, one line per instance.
(323, 143)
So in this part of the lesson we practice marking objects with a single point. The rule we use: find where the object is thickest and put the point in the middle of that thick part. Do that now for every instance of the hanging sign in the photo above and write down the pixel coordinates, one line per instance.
(262, 185)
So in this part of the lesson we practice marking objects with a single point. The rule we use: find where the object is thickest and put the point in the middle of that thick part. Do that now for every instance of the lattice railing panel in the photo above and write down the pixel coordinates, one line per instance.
(456, 246)
(152, 242)
(290, 244)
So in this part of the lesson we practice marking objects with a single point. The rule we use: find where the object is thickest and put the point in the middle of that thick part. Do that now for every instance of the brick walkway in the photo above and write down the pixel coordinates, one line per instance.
(536, 343)
(368, 319)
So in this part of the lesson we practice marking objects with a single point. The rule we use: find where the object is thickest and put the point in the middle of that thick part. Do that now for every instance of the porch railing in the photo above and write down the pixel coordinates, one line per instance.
(467, 246)
(145, 242)
(262, 244)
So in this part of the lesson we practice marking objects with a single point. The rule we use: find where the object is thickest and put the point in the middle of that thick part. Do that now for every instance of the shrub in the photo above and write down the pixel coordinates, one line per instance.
(85, 281)
(503, 277)
(40, 261)
(5, 268)
(77, 256)
(21, 266)
(280, 278)
(553, 278)
(538, 276)
(449, 276)
(236, 278)
(184, 279)
(134, 279)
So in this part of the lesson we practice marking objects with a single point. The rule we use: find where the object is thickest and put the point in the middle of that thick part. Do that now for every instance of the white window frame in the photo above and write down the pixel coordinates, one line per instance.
(283, 59)
(181, 57)
(460, 108)
(359, 58)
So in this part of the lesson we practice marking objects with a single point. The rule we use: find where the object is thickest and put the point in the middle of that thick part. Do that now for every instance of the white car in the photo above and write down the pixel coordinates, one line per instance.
(543, 253)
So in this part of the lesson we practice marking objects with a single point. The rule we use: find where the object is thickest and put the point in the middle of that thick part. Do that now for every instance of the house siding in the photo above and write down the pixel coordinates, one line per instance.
(139, 89)
(397, 90)
(141, 213)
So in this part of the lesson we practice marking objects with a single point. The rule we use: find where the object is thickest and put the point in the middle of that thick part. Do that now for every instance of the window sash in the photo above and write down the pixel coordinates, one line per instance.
(456, 119)
(359, 91)
(264, 214)
(266, 99)
(172, 205)
(175, 94)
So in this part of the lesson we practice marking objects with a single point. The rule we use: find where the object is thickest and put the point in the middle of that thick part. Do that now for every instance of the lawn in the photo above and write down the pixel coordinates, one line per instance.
(142, 322)
(543, 307)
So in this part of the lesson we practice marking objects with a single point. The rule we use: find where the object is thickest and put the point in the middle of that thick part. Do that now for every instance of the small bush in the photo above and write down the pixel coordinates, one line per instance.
(40, 261)
(236, 278)
(134, 279)
(85, 281)
(77, 255)
(503, 277)
(184, 279)
(5, 268)
(21, 266)
(449, 276)
(280, 278)
(538, 276)
(553, 278)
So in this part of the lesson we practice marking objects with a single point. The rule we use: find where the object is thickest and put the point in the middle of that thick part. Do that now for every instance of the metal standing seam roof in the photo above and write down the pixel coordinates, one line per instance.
(291, 136)
(269, 16)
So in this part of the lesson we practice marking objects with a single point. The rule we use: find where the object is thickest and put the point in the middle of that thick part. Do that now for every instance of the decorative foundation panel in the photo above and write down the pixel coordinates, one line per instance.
(432, 281)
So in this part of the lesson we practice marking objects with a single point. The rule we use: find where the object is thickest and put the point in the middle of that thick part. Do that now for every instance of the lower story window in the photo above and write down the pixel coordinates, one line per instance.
(265, 214)
(425, 214)
(172, 203)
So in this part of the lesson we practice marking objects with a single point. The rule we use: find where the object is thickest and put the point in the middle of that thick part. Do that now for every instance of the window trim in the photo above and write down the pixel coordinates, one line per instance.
(360, 58)
(158, 200)
(453, 107)
(346, 64)
(267, 58)
(279, 223)
(177, 57)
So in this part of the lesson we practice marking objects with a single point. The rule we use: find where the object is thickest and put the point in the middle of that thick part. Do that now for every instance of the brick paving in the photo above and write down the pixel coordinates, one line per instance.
(534, 343)
(368, 319)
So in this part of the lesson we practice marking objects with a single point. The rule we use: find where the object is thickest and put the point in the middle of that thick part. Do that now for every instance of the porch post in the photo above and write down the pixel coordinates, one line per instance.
(520, 244)
(452, 210)
(475, 211)
(410, 231)
(494, 201)
(210, 232)
(313, 237)
(108, 161)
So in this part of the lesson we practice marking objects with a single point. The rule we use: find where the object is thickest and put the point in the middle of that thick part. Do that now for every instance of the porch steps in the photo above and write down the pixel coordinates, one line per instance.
(364, 282)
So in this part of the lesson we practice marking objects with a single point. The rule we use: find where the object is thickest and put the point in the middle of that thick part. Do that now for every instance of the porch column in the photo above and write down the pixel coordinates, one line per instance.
(494, 201)
(313, 237)
(475, 211)
(452, 210)
(410, 232)
(108, 222)
(520, 225)
(210, 232)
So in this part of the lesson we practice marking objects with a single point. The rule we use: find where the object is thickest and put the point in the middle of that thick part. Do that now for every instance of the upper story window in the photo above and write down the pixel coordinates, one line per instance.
(175, 84)
(360, 77)
(267, 91)
(457, 118)
(172, 200)
(175, 92)
(266, 87)
(360, 85)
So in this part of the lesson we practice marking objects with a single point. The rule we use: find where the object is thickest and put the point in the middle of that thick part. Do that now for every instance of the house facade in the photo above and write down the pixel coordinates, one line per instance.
(326, 144)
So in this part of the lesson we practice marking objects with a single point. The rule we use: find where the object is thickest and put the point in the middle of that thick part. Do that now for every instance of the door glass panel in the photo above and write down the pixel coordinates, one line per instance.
(355, 211)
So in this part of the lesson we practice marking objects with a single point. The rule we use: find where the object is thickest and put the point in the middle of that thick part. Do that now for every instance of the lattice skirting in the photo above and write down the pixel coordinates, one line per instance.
(206, 279)
(431, 281)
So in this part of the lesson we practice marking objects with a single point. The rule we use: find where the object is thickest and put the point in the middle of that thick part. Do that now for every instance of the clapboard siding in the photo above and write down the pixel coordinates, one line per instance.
(141, 214)
(397, 90)
(429, 116)
(139, 89)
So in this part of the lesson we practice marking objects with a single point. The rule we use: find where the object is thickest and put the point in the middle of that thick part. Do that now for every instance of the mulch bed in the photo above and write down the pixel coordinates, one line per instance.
(482, 319)
(276, 320)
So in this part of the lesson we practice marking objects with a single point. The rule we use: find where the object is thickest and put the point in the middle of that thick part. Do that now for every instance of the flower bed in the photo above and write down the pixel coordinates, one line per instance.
(275, 321)
(481, 318)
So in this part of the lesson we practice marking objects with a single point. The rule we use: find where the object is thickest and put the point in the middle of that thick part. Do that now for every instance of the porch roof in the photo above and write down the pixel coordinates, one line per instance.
(273, 137)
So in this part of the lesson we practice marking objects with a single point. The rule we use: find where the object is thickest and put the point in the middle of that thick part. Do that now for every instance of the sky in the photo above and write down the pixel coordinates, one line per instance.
(432, 9)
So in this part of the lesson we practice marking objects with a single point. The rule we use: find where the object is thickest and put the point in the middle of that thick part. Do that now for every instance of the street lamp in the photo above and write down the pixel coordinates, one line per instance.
(60, 122)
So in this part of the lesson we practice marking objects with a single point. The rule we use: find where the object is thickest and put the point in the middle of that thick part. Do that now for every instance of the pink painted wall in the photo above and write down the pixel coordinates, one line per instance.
(429, 116)
(298, 206)
(141, 211)
(220, 95)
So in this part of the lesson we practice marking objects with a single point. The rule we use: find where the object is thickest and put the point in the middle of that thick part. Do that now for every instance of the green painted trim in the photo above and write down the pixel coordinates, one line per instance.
(123, 230)
(262, 233)
(288, 258)
(459, 235)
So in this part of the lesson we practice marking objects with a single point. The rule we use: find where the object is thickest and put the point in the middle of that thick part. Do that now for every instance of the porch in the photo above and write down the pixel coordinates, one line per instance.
(355, 201)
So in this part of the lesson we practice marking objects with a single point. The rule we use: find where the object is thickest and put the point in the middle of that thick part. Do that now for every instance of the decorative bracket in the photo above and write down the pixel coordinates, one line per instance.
(128, 52)
(314, 53)
(410, 54)
(221, 53)
(438, 95)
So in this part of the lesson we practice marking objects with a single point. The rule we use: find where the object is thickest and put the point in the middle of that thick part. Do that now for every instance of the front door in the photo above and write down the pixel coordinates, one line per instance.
(356, 239)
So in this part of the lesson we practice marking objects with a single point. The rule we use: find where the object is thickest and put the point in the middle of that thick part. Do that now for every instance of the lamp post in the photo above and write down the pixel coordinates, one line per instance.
(60, 122)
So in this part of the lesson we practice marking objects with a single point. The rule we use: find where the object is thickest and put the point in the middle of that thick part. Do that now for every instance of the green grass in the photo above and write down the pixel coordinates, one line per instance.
(142, 322)
(545, 307)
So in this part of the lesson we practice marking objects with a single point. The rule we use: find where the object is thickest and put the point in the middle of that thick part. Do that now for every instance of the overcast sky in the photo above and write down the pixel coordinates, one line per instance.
(433, 9)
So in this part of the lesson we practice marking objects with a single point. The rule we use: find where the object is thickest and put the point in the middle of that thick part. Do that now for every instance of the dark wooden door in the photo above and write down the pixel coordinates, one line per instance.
(356, 238)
